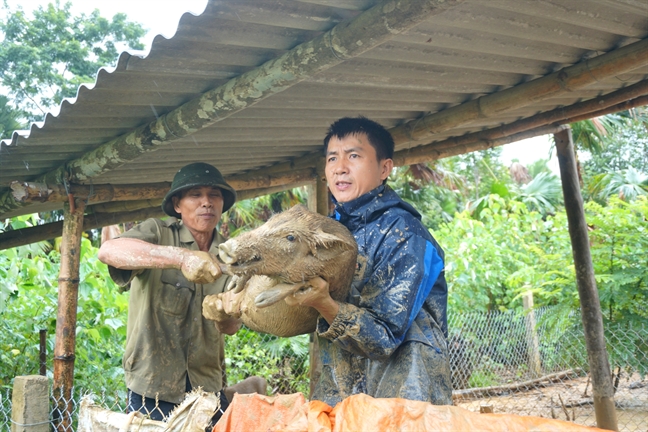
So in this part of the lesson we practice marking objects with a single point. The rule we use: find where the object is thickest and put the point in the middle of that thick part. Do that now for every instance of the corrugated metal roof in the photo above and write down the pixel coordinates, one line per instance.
(474, 49)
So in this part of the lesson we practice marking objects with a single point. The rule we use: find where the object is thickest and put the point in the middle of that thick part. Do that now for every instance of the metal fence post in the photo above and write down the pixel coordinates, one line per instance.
(30, 404)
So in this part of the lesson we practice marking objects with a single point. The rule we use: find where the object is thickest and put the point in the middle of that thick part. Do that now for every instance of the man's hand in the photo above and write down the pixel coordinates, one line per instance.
(315, 293)
(225, 310)
(200, 267)
(223, 306)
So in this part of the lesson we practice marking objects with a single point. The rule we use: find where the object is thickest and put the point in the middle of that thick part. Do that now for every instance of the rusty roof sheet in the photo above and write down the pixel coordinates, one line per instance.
(474, 49)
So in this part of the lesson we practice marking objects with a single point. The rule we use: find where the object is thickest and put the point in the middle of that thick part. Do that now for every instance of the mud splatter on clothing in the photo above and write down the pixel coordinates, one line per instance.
(389, 337)
(167, 338)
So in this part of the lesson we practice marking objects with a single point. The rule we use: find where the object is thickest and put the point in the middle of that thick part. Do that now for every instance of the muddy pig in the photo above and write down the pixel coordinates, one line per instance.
(292, 247)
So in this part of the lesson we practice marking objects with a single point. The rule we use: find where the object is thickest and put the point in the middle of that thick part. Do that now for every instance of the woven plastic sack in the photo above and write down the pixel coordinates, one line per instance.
(362, 413)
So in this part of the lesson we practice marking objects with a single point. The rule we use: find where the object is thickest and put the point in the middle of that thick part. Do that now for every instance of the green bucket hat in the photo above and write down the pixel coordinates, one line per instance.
(198, 174)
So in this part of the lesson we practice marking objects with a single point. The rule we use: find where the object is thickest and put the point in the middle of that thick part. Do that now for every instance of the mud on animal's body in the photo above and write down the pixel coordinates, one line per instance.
(292, 247)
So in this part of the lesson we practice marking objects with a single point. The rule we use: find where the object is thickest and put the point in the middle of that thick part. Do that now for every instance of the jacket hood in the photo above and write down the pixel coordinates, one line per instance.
(368, 207)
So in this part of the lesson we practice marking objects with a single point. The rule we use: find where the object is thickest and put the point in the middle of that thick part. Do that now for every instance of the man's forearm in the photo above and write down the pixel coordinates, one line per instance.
(134, 254)
(328, 310)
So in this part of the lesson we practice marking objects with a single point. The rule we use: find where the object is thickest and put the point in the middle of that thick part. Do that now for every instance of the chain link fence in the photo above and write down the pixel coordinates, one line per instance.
(536, 364)
(502, 362)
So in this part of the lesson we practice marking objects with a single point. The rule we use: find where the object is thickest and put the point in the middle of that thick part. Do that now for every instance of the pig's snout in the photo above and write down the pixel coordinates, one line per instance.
(225, 252)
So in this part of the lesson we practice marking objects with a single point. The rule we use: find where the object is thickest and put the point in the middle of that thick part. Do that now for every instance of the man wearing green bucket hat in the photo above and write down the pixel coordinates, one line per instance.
(170, 266)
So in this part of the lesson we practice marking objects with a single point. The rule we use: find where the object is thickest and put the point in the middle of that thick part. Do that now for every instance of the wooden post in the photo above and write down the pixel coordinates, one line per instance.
(587, 291)
(30, 404)
(323, 200)
(66, 318)
(318, 199)
(311, 197)
(533, 347)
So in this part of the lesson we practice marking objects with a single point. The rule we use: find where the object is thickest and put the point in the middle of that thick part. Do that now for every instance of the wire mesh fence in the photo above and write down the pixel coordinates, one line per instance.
(536, 364)
(504, 362)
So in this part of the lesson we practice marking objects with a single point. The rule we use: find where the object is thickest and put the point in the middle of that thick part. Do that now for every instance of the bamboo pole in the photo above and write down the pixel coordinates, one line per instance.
(591, 108)
(587, 290)
(566, 80)
(31, 192)
(540, 124)
(260, 181)
(125, 206)
(624, 106)
(481, 392)
(499, 135)
(453, 147)
(321, 202)
(322, 194)
(52, 230)
(345, 41)
(98, 216)
(66, 317)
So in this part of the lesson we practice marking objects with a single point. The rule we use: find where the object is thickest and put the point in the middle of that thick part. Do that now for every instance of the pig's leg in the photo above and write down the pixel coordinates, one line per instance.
(237, 283)
(277, 293)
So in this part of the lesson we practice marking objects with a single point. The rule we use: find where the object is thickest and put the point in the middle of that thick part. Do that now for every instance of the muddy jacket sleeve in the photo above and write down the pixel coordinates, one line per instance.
(400, 277)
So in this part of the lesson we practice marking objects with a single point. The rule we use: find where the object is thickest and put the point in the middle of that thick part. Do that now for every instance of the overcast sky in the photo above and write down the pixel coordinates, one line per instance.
(162, 16)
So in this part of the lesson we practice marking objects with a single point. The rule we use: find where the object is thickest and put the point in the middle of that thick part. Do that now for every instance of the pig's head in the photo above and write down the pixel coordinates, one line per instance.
(295, 246)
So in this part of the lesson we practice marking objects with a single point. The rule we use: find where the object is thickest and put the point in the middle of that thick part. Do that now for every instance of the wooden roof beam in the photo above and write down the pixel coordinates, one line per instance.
(495, 137)
(568, 79)
(108, 214)
(620, 100)
(345, 41)
(571, 78)
(101, 215)
(30, 192)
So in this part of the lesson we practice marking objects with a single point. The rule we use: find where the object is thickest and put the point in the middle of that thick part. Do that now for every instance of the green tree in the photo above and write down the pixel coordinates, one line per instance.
(624, 147)
(431, 188)
(28, 277)
(43, 59)
(480, 170)
(9, 118)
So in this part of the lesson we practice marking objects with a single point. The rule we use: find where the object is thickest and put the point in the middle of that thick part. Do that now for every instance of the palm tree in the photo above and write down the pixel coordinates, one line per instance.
(541, 194)
(590, 135)
(627, 184)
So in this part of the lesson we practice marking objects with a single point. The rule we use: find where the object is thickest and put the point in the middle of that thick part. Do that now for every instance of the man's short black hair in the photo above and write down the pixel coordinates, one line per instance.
(379, 138)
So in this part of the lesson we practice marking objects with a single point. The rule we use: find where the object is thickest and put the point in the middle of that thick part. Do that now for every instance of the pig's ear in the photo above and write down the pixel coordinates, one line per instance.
(326, 240)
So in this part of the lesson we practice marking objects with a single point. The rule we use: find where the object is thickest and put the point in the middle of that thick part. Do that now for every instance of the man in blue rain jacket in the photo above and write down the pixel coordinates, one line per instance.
(388, 339)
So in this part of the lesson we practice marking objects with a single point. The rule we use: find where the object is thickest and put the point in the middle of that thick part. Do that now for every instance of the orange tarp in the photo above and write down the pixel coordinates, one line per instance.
(362, 413)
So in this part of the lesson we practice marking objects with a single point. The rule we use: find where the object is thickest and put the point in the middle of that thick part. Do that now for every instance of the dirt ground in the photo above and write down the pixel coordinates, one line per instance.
(631, 401)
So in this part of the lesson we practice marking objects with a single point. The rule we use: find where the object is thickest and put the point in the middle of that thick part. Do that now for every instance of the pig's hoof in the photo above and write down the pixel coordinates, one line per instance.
(269, 297)
(237, 284)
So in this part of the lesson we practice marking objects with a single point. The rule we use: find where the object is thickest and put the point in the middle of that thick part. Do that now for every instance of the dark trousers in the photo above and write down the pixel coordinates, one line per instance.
(160, 410)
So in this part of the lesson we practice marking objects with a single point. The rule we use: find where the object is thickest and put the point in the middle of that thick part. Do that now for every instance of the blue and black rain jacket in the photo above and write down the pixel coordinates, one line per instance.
(389, 337)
